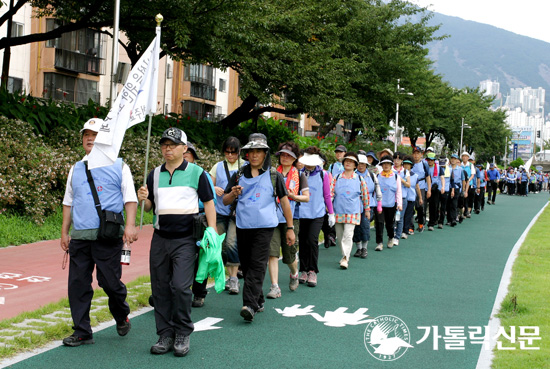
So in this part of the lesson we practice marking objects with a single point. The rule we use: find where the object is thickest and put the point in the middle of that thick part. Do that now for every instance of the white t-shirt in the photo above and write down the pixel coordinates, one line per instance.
(127, 186)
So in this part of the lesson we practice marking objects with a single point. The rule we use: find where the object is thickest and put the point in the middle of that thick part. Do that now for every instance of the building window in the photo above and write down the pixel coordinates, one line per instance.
(52, 24)
(198, 110)
(203, 91)
(200, 73)
(68, 88)
(15, 84)
(17, 29)
(222, 86)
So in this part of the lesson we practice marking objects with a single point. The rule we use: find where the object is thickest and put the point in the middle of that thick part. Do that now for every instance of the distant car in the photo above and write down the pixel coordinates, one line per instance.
(542, 155)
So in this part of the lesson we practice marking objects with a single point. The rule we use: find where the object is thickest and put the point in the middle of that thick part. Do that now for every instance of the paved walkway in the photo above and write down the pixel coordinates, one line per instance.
(438, 279)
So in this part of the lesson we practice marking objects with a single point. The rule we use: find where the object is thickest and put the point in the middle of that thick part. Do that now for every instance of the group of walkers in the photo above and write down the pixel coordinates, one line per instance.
(519, 182)
(265, 212)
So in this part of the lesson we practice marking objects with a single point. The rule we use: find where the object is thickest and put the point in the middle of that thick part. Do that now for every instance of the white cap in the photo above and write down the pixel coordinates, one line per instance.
(465, 153)
(430, 149)
(93, 124)
(363, 159)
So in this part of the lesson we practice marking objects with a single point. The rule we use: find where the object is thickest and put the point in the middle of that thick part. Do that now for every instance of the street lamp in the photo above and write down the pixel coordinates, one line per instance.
(399, 91)
(462, 134)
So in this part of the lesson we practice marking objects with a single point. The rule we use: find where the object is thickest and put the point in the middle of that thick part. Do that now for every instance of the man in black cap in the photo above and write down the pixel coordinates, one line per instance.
(173, 192)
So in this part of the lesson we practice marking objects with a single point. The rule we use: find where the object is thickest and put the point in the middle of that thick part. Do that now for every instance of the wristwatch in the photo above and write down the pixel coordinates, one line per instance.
(287, 228)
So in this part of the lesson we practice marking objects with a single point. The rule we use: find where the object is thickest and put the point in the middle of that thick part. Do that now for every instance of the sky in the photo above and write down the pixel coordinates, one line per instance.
(524, 17)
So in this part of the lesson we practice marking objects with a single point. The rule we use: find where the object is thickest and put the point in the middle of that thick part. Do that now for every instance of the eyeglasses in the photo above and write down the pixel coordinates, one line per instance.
(170, 146)
(231, 152)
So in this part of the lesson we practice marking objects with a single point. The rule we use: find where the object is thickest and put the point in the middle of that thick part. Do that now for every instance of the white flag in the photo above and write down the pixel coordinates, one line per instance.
(137, 99)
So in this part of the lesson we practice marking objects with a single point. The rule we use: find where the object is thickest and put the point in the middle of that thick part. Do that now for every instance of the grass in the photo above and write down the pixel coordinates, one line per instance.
(528, 300)
(53, 329)
(18, 230)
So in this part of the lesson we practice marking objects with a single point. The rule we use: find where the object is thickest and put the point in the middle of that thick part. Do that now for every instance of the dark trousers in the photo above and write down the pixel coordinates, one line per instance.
(492, 190)
(511, 188)
(105, 256)
(409, 214)
(171, 264)
(433, 203)
(442, 207)
(421, 209)
(386, 217)
(480, 199)
(523, 188)
(361, 233)
(328, 232)
(199, 289)
(254, 255)
(309, 244)
(471, 199)
(453, 204)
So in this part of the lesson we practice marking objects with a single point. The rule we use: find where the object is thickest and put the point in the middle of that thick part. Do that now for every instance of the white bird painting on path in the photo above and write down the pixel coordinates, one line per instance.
(387, 345)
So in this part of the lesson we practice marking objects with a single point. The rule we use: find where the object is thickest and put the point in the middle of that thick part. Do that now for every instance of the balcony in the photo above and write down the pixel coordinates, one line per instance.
(203, 91)
(77, 62)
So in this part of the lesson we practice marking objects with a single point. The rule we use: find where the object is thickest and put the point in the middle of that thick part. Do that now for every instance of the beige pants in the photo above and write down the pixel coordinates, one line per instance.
(344, 237)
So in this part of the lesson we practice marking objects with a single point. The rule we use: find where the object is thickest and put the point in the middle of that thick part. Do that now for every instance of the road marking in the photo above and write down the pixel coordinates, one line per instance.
(2, 300)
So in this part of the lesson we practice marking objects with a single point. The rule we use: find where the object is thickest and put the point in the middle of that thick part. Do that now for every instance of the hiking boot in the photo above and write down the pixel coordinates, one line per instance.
(364, 253)
(293, 284)
(234, 286)
(430, 228)
(227, 284)
(198, 302)
(396, 242)
(312, 279)
(440, 226)
(274, 292)
(163, 345)
(453, 224)
(390, 243)
(404, 236)
(344, 263)
(303, 278)
(73, 341)
(357, 253)
(123, 328)
(261, 308)
(476, 211)
(379, 247)
(247, 313)
(420, 228)
(181, 345)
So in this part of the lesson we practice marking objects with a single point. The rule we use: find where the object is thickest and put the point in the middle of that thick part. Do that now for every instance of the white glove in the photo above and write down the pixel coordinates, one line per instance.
(331, 220)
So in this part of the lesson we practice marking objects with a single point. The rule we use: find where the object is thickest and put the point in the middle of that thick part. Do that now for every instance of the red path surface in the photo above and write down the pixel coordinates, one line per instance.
(18, 292)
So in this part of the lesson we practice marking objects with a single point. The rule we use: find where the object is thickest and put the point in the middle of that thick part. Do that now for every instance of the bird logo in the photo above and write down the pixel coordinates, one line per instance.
(387, 338)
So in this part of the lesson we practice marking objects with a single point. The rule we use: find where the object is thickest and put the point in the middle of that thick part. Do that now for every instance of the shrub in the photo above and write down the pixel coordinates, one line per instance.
(32, 174)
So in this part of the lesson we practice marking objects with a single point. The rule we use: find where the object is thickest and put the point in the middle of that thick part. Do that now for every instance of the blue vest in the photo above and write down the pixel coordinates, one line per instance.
(511, 178)
(447, 179)
(108, 182)
(524, 177)
(402, 175)
(347, 195)
(481, 176)
(256, 205)
(420, 170)
(457, 174)
(315, 208)
(222, 181)
(366, 175)
(336, 168)
(389, 189)
(411, 192)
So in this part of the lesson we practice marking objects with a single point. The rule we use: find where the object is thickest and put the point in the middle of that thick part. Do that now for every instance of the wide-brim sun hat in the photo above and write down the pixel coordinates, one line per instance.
(311, 160)
(363, 159)
(256, 141)
(93, 125)
(350, 158)
(192, 150)
(386, 161)
(286, 151)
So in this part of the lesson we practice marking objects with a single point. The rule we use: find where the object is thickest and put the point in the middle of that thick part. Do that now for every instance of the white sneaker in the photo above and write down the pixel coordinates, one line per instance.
(395, 242)
(344, 263)
(390, 243)
(379, 247)
(404, 236)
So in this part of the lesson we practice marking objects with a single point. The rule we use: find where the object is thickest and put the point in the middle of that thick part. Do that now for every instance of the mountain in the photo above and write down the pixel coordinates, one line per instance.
(475, 52)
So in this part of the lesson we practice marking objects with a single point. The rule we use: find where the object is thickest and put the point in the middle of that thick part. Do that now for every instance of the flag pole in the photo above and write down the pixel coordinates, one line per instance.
(159, 19)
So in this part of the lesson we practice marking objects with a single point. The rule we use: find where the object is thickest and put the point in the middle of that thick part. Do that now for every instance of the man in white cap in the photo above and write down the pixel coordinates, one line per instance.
(470, 172)
(112, 187)
(173, 192)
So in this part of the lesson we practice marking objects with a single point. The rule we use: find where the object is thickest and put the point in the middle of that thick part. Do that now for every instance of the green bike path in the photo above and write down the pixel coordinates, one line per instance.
(448, 277)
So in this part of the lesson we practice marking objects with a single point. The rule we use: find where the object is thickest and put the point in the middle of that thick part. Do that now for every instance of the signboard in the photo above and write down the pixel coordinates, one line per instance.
(515, 152)
(523, 138)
